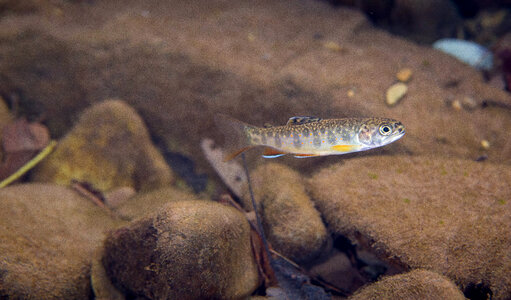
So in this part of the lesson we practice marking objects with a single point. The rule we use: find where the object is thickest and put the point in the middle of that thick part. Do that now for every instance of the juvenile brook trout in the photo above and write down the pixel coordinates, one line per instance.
(310, 136)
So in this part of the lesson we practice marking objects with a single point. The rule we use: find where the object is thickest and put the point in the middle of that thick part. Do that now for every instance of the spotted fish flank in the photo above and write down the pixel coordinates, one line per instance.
(310, 136)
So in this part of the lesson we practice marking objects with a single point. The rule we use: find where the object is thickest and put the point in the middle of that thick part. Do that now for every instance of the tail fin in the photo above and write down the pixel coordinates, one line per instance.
(236, 140)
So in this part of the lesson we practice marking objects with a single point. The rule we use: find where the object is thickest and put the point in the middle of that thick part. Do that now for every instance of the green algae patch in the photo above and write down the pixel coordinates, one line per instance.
(292, 225)
(416, 284)
(372, 175)
(453, 218)
(108, 147)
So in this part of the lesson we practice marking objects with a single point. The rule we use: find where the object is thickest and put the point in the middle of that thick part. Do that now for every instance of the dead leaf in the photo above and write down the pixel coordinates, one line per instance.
(21, 135)
(21, 140)
(231, 172)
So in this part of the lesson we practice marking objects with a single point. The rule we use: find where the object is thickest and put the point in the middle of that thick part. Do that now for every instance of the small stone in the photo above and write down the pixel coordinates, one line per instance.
(333, 46)
(395, 93)
(485, 144)
(119, 196)
(251, 37)
(456, 104)
(404, 74)
(468, 103)
(187, 250)
(351, 93)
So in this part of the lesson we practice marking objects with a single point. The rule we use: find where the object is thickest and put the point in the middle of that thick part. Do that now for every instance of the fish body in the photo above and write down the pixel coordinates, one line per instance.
(311, 136)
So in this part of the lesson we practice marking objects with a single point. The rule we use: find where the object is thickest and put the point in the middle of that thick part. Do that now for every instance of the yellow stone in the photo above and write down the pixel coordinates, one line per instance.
(404, 74)
(395, 93)
(332, 46)
(456, 104)
(485, 144)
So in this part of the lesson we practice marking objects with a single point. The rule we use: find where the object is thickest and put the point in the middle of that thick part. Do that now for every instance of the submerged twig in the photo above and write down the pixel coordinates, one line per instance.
(29, 165)
(258, 219)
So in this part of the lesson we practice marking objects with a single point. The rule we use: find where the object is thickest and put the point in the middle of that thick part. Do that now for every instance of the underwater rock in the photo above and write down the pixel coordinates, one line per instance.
(144, 204)
(188, 249)
(108, 147)
(468, 52)
(422, 212)
(48, 234)
(291, 223)
(395, 93)
(416, 284)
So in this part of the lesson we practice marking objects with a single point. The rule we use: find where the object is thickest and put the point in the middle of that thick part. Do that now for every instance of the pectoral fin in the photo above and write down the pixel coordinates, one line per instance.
(272, 153)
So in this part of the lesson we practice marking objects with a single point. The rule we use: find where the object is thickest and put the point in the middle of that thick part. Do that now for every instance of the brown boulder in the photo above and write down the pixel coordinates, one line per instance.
(416, 284)
(187, 250)
(48, 235)
(449, 216)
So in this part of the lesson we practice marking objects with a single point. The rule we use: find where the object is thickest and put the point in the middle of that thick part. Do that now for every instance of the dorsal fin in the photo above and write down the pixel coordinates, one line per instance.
(302, 120)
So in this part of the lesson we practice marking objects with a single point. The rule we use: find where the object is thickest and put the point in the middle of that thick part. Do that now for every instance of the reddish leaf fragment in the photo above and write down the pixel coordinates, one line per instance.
(21, 135)
(262, 259)
(21, 140)
(88, 191)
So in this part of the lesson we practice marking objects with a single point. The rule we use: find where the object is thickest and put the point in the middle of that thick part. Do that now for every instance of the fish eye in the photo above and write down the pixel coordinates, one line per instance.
(385, 129)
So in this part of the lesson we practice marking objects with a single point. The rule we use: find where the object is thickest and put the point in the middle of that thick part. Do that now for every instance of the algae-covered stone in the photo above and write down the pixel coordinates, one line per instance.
(108, 147)
(189, 249)
(417, 284)
(48, 234)
(292, 224)
(446, 215)
(147, 203)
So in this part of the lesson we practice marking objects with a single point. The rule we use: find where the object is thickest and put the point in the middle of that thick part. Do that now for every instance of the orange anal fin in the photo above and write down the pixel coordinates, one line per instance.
(234, 154)
(272, 153)
(344, 148)
(305, 155)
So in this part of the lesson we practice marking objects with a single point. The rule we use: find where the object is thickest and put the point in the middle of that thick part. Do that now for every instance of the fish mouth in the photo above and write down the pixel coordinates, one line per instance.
(396, 136)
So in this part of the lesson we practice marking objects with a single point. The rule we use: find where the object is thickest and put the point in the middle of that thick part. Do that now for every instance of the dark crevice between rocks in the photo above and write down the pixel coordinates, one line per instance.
(369, 270)
(478, 291)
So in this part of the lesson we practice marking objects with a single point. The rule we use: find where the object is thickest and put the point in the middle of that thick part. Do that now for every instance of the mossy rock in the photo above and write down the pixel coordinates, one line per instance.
(48, 235)
(416, 284)
(422, 212)
(108, 147)
(292, 224)
(189, 249)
